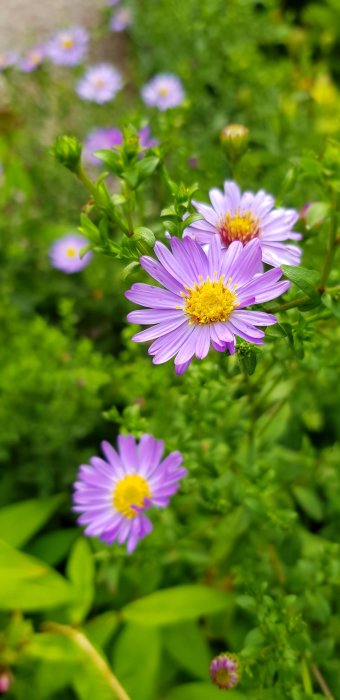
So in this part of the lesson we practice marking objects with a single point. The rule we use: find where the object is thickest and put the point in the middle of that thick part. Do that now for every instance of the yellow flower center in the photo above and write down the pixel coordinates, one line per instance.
(242, 226)
(99, 82)
(163, 91)
(71, 252)
(210, 302)
(222, 677)
(130, 494)
(67, 43)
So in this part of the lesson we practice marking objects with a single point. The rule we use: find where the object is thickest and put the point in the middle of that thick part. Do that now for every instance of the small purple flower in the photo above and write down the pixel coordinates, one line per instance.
(8, 59)
(121, 20)
(244, 217)
(204, 298)
(109, 137)
(64, 253)
(225, 671)
(100, 83)
(163, 91)
(32, 59)
(113, 493)
(112, 3)
(68, 47)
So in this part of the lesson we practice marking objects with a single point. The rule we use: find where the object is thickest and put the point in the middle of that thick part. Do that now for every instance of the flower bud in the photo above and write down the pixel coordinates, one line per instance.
(234, 139)
(5, 680)
(67, 151)
(225, 671)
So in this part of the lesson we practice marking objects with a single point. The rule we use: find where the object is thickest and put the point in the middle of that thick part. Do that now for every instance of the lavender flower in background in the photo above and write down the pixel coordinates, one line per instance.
(32, 59)
(100, 83)
(243, 217)
(163, 91)
(121, 20)
(112, 3)
(64, 253)
(113, 493)
(109, 137)
(203, 300)
(225, 671)
(8, 59)
(68, 47)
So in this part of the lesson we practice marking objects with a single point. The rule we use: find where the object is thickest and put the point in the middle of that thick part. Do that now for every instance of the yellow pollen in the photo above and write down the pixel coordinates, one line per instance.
(71, 252)
(242, 226)
(99, 82)
(130, 494)
(67, 43)
(163, 91)
(210, 302)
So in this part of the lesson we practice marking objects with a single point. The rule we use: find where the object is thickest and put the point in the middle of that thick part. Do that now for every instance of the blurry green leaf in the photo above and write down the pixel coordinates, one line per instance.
(317, 213)
(56, 662)
(137, 659)
(145, 167)
(80, 571)
(186, 644)
(202, 691)
(332, 304)
(173, 605)
(112, 160)
(53, 547)
(130, 269)
(190, 220)
(309, 501)
(101, 628)
(20, 521)
(28, 584)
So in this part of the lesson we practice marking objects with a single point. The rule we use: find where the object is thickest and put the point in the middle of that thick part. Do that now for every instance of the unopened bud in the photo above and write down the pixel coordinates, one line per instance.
(67, 151)
(225, 671)
(5, 681)
(234, 139)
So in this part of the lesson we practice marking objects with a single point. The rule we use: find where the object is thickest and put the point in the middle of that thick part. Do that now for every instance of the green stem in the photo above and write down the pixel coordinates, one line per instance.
(322, 683)
(289, 305)
(86, 647)
(306, 679)
(129, 209)
(332, 243)
(83, 177)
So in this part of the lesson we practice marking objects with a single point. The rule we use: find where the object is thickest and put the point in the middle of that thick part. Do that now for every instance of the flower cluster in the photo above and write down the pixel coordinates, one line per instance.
(112, 494)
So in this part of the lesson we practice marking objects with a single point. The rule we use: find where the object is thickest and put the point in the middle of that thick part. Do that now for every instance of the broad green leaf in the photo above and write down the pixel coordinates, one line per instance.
(173, 605)
(309, 502)
(137, 659)
(332, 304)
(20, 521)
(112, 160)
(29, 584)
(101, 628)
(317, 213)
(56, 662)
(145, 167)
(202, 691)
(53, 547)
(304, 279)
(186, 644)
(80, 571)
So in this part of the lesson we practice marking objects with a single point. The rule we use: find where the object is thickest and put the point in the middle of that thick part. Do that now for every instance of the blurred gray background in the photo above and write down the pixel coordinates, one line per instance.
(23, 22)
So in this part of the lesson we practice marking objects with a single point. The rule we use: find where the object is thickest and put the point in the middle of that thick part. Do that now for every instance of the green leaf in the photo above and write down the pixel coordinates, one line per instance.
(190, 220)
(20, 521)
(186, 644)
(53, 547)
(28, 584)
(317, 213)
(173, 605)
(145, 167)
(80, 571)
(309, 502)
(201, 691)
(137, 660)
(331, 304)
(100, 629)
(144, 239)
(112, 160)
(304, 279)
(130, 269)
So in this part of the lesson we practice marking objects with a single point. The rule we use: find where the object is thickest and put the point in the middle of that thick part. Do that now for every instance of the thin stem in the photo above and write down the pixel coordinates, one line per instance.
(306, 679)
(322, 683)
(331, 248)
(83, 643)
(289, 305)
(83, 177)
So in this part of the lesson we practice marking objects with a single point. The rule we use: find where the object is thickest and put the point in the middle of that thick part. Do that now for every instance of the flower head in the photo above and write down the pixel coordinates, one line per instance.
(8, 59)
(100, 83)
(244, 217)
(32, 59)
(121, 20)
(68, 47)
(203, 300)
(163, 91)
(64, 253)
(113, 493)
(225, 671)
(109, 137)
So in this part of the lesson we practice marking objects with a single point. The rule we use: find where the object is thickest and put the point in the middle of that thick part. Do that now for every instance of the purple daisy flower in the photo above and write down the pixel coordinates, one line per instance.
(163, 91)
(100, 83)
(121, 20)
(203, 300)
(109, 137)
(8, 59)
(113, 493)
(68, 47)
(243, 217)
(225, 671)
(32, 59)
(64, 253)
